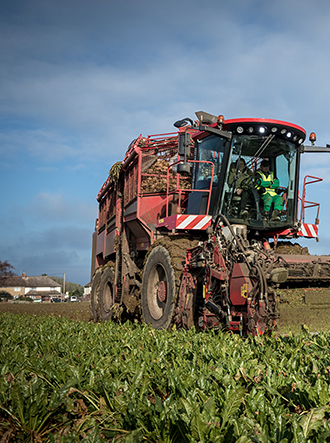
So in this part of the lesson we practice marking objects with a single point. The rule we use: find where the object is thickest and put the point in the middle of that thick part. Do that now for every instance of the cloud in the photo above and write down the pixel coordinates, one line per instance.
(55, 263)
(106, 101)
(69, 238)
(60, 208)
(47, 146)
(52, 251)
(317, 165)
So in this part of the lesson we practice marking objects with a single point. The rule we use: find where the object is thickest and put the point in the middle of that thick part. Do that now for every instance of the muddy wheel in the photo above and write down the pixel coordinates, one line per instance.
(158, 289)
(95, 294)
(106, 294)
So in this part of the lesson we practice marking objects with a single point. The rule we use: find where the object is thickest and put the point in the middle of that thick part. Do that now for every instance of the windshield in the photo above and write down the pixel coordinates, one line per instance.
(209, 160)
(209, 152)
(255, 192)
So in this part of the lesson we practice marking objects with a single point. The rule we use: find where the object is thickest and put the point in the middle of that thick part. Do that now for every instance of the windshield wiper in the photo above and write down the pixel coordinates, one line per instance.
(262, 148)
(235, 177)
(264, 145)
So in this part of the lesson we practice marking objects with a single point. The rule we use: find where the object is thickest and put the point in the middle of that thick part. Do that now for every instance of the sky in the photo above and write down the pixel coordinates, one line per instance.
(80, 79)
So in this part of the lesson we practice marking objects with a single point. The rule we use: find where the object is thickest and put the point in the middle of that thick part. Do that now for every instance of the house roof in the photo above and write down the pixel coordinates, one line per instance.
(28, 282)
(43, 293)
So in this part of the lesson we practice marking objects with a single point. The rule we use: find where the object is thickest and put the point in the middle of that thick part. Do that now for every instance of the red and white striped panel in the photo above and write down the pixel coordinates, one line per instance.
(308, 230)
(193, 221)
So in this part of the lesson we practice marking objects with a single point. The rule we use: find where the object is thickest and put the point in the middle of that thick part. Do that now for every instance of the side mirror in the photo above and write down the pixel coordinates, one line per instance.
(183, 168)
(184, 144)
(183, 122)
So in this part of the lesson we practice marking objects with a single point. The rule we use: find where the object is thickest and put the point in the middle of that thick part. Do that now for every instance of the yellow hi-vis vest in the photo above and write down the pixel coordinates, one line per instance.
(268, 178)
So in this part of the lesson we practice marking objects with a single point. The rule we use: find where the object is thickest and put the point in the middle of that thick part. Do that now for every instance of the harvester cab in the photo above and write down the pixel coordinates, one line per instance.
(227, 175)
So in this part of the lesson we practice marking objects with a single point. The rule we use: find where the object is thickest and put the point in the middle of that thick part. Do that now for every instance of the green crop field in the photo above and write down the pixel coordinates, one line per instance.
(67, 380)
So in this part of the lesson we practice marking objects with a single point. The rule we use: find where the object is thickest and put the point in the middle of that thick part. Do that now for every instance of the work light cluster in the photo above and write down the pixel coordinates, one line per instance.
(264, 130)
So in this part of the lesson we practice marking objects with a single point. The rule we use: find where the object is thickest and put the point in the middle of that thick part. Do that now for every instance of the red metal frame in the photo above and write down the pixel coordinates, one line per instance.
(308, 204)
(179, 191)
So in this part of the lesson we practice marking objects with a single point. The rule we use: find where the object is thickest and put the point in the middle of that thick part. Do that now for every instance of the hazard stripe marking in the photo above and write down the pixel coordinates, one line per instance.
(193, 221)
(308, 230)
(202, 223)
(187, 220)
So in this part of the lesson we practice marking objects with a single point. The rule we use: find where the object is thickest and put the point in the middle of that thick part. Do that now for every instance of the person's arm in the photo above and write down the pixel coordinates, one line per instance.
(261, 182)
(244, 181)
(258, 183)
(275, 183)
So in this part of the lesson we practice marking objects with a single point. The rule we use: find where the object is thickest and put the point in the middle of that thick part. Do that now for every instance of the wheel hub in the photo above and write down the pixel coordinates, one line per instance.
(162, 291)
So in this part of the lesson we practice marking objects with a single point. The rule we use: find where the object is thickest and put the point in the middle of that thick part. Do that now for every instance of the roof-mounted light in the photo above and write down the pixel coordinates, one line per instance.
(250, 129)
(312, 138)
(274, 129)
(289, 134)
(262, 129)
(239, 129)
(283, 131)
(220, 120)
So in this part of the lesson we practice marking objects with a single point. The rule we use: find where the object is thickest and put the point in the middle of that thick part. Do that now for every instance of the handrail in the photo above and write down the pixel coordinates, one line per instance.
(308, 204)
(179, 191)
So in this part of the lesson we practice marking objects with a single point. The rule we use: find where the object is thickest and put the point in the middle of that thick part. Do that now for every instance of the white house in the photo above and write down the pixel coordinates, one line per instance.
(37, 287)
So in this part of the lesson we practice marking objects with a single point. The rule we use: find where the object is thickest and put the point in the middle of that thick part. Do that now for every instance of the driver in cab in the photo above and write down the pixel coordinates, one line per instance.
(241, 177)
(267, 184)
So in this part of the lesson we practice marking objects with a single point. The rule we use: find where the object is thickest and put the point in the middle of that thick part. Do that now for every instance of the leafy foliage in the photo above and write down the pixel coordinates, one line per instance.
(72, 288)
(5, 295)
(23, 298)
(62, 380)
(5, 269)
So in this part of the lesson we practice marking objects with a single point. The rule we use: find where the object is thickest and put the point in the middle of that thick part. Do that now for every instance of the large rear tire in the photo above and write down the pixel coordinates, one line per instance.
(95, 294)
(106, 294)
(158, 291)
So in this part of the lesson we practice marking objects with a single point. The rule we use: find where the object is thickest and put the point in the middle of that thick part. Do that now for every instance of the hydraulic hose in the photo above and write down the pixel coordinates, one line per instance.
(238, 242)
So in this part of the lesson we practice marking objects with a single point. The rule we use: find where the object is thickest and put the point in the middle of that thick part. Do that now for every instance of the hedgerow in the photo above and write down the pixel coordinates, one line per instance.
(69, 381)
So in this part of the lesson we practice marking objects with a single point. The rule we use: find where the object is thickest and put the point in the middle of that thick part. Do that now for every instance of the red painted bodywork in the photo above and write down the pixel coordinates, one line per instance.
(240, 284)
(264, 121)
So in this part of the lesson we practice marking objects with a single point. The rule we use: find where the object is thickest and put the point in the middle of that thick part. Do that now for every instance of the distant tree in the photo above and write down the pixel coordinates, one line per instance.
(69, 287)
(4, 295)
(5, 269)
(77, 292)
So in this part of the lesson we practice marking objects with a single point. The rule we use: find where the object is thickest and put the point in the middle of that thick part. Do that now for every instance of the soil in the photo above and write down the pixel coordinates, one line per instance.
(286, 247)
(74, 311)
(304, 308)
(300, 308)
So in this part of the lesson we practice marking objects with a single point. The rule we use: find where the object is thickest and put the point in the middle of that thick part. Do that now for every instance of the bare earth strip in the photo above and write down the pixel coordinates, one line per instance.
(298, 307)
